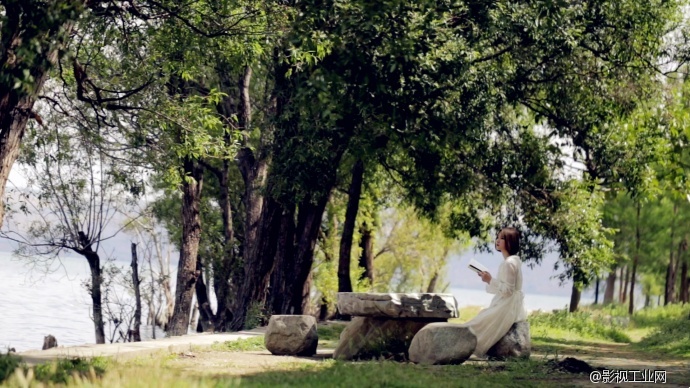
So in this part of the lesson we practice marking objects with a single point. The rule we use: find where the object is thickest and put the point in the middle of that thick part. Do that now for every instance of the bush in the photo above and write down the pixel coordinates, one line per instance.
(8, 363)
(59, 372)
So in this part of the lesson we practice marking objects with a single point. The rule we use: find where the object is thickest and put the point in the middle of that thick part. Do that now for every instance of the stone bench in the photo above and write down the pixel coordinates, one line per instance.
(384, 324)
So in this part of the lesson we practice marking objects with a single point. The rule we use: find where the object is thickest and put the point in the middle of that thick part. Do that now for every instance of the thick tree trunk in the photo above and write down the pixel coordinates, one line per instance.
(136, 333)
(187, 273)
(279, 290)
(354, 194)
(671, 268)
(259, 261)
(366, 260)
(636, 259)
(308, 224)
(610, 287)
(42, 34)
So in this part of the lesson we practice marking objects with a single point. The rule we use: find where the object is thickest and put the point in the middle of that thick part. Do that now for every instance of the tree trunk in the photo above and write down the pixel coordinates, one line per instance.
(684, 283)
(636, 259)
(621, 282)
(191, 233)
(136, 333)
(647, 300)
(96, 300)
(279, 290)
(432, 283)
(596, 291)
(682, 247)
(366, 260)
(610, 287)
(308, 224)
(671, 268)
(574, 297)
(206, 316)
(226, 269)
(626, 280)
(354, 194)
(43, 34)
(259, 261)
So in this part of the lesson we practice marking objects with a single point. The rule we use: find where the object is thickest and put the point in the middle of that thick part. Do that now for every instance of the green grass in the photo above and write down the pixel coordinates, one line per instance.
(671, 337)
(563, 324)
(58, 372)
(392, 374)
(241, 345)
(329, 334)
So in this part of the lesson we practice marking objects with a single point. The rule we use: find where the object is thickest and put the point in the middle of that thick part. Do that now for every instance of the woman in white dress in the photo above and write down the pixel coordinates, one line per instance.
(507, 306)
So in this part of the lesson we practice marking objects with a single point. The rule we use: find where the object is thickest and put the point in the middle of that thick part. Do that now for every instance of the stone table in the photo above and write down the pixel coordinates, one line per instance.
(384, 324)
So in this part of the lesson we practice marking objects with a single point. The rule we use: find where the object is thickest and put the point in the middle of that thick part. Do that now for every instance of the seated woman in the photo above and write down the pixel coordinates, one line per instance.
(507, 306)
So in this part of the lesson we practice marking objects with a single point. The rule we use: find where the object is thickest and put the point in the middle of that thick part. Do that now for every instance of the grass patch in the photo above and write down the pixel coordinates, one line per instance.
(671, 337)
(392, 374)
(329, 334)
(59, 372)
(563, 324)
(466, 313)
(241, 345)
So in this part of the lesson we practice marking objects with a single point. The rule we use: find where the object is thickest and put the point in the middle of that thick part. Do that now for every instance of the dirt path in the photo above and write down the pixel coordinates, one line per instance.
(618, 357)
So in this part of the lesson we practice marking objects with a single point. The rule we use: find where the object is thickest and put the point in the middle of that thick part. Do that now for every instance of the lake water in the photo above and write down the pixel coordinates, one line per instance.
(34, 303)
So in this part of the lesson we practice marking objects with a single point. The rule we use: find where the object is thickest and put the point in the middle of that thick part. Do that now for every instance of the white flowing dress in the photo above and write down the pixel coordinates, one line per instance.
(506, 308)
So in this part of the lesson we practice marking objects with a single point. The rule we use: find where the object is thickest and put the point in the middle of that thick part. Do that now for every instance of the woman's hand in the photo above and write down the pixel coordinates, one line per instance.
(486, 277)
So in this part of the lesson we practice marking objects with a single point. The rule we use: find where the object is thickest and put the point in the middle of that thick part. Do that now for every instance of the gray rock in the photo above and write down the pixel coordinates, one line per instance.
(516, 343)
(367, 337)
(442, 344)
(392, 305)
(291, 335)
(49, 341)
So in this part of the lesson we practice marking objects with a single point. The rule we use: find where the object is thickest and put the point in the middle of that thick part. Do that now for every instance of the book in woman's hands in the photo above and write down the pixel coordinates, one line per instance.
(476, 266)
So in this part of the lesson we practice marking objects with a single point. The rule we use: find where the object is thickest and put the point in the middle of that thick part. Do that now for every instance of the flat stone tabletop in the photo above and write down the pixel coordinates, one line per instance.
(398, 305)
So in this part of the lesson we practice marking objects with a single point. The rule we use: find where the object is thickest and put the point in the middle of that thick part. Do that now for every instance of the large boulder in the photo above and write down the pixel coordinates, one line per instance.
(442, 344)
(516, 343)
(393, 305)
(291, 335)
(367, 337)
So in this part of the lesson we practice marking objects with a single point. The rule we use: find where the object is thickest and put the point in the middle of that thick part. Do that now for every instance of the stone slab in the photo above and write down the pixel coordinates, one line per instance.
(398, 305)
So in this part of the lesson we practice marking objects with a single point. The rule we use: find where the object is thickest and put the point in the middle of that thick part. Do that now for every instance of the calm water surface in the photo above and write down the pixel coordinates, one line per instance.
(35, 303)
